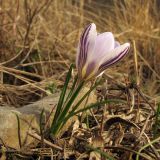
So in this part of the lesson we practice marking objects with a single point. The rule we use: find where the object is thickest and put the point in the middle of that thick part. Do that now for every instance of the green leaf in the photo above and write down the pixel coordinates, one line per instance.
(62, 96)
(41, 122)
(97, 104)
(156, 125)
(104, 154)
(147, 145)
(72, 88)
(51, 88)
(86, 94)
(66, 108)
(42, 127)
(19, 131)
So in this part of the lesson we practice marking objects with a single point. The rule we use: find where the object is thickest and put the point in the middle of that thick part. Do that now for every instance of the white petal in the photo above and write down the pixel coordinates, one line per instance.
(116, 44)
(104, 43)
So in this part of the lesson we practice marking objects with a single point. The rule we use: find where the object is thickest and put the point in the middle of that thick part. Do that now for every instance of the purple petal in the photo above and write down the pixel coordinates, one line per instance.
(115, 55)
(86, 45)
(104, 43)
(90, 69)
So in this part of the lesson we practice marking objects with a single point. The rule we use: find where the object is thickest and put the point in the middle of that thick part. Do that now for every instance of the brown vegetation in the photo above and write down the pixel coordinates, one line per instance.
(38, 41)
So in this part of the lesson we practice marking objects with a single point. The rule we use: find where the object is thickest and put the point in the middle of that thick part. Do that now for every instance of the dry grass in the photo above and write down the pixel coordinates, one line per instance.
(39, 39)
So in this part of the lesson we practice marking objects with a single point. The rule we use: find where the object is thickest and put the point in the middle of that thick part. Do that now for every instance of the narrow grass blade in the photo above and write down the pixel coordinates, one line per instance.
(156, 125)
(70, 102)
(42, 125)
(147, 145)
(66, 109)
(86, 94)
(62, 96)
(121, 148)
(72, 88)
(104, 154)
(41, 121)
(19, 131)
(97, 104)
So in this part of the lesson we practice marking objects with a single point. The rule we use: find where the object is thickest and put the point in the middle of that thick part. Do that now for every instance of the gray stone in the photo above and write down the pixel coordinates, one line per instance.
(29, 119)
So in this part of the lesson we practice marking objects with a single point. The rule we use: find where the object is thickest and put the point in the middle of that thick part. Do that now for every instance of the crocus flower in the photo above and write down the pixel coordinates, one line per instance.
(96, 52)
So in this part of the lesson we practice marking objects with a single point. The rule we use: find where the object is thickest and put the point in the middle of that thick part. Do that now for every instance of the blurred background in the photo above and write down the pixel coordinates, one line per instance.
(38, 42)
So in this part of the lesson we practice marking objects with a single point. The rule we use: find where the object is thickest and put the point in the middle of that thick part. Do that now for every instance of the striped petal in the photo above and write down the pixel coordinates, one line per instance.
(86, 45)
(104, 43)
(114, 56)
(97, 52)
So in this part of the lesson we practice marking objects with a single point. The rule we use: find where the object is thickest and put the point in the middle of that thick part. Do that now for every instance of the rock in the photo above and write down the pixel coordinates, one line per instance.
(9, 126)
(29, 116)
